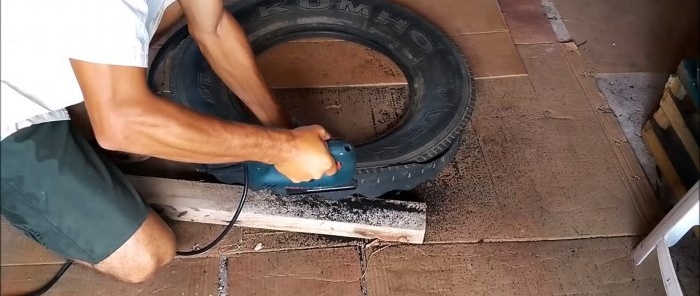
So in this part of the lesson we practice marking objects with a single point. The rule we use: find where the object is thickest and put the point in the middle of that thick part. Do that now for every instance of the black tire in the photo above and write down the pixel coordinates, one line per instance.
(441, 98)
(376, 183)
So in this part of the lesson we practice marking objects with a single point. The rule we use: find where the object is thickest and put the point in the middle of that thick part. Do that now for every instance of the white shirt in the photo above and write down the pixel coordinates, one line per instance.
(40, 36)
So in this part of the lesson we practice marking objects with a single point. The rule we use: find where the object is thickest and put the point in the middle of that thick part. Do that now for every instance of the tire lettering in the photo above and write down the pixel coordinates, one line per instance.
(317, 4)
(399, 24)
(204, 93)
(265, 11)
(442, 93)
(422, 41)
(348, 6)
(206, 96)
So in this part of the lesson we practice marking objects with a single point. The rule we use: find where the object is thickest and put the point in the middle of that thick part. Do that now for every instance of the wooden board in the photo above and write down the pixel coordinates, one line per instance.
(668, 173)
(214, 203)
(672, 138)
(680, 128)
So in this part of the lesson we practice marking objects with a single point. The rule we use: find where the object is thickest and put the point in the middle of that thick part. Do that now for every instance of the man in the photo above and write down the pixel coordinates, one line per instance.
(70, 198)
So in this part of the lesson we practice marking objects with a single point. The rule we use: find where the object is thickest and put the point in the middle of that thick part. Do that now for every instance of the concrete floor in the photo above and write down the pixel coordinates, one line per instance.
(537, 202)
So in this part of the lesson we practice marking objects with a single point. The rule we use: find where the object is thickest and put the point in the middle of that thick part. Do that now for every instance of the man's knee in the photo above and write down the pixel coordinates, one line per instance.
(150, 261)
(143, 255)
(146, 268)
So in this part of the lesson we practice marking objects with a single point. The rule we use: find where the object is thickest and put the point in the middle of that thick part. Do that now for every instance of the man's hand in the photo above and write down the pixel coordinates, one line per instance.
(308, 157)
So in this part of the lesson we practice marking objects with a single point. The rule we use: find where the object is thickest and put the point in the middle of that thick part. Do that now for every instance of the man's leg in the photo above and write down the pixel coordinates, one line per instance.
(149, 248)
(62, 193)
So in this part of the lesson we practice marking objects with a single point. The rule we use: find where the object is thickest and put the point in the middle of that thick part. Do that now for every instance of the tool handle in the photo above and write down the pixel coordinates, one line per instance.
(265, 176)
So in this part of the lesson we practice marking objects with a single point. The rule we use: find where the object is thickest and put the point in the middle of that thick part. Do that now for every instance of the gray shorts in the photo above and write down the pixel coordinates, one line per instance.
(61, 192)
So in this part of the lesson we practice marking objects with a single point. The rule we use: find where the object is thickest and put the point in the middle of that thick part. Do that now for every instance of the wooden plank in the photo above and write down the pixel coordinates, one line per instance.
(676, 87)
(680, 160)
(676, 119)
(628, 165)
(191, 276)
(664, 163)
(661, 119)
(214, 203)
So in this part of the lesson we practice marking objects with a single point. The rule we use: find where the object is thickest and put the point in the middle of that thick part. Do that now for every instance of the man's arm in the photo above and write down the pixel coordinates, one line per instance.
(127, 116)
(225, 46)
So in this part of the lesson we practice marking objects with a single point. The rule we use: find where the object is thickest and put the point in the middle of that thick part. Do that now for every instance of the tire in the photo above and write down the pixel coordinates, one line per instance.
(440, 83)
(406, 177)
(441, 96)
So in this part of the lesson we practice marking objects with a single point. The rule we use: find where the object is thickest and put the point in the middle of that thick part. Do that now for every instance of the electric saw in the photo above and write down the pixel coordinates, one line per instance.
(265, 177)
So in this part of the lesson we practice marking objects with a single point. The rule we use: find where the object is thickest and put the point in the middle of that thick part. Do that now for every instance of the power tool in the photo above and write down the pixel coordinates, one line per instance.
(266, 177)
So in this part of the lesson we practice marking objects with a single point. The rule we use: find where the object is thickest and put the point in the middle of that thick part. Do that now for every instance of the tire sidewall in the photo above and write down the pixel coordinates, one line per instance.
(440, 83)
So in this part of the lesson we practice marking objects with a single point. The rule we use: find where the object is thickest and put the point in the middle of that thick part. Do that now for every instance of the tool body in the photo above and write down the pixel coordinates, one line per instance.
(265, 176)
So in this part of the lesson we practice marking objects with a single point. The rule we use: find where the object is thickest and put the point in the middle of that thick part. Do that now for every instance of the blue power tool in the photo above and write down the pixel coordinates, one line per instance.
(265, 176)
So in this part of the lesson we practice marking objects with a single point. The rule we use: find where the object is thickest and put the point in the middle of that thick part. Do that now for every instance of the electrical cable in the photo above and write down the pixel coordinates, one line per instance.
(226, 230)
(53, 281)
(230, 223)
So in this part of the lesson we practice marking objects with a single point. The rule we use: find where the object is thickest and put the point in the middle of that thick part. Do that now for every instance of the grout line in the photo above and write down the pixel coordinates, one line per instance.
(483, 32)
(363, 267)
(532, 240)
(502, 76)
(596, 74)
(32, 264)
(345, 245)
(387, 84)
(223, 277)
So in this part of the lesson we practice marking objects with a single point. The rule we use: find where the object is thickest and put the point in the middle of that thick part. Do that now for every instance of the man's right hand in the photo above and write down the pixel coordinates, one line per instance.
(307, 157)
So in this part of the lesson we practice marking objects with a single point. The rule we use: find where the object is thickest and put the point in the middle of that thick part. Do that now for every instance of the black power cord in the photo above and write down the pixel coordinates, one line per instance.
(230, 223)
(226, 230)
(53, 281)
